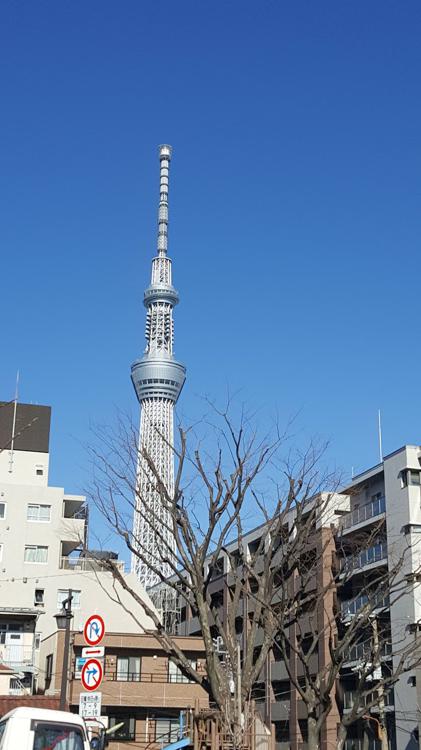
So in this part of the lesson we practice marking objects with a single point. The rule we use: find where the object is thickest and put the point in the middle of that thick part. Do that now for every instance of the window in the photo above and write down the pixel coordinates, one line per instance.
(35, 553)
(48, 668)
(38, 512)
(2, 511)
(48, 735)
(39, 597)
(166, 730)
(127, 731)
(175, 674)
(410, 476)
(63, 594)
(37, 641)
(128, 668)
(39, 471)
(414, 477)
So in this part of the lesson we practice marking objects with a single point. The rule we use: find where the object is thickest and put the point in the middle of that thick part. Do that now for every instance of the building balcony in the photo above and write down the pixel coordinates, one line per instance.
(363, 514)
(360, 651)
(278, 671)
(373, 555)
(74, 508)
(78, 564)
(358, 743)
(17, 657)
(350, 607)
(349, 698)
(280, 710)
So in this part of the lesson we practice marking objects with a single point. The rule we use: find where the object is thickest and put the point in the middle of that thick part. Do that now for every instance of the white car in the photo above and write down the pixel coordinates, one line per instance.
(40, 729)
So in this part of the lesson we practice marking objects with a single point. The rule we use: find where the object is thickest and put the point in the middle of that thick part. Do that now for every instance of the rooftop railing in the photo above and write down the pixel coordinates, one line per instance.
(364, 513)
(88, 563)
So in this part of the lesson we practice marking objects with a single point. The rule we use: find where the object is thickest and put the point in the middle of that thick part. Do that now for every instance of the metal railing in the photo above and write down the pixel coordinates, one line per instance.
(359, 651)
(121, 675)
(87, 563)
(367, 699)
(15, 655)
(80, 513)
(357, 743)
(364, 513)
(366, 557)
(352, 606)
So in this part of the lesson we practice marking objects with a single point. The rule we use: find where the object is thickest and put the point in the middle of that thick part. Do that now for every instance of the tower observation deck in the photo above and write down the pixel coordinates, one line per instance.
(158, 379)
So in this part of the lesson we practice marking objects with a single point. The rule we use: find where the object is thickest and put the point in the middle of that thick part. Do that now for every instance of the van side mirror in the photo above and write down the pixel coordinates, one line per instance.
(99, 743)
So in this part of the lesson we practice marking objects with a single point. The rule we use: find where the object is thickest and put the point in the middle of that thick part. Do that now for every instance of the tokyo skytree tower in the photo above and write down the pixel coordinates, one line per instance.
(158, 379)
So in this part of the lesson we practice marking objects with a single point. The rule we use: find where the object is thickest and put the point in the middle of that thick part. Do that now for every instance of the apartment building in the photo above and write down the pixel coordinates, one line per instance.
(142, 690)
(43, 553)
(379, 512)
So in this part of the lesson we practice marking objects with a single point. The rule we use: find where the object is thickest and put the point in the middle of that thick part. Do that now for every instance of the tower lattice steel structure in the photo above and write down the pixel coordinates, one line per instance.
(158, 379)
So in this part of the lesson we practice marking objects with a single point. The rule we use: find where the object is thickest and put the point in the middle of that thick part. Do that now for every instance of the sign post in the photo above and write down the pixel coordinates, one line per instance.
(90, 705)
(92, 674)
(92, 669)
(94, 630)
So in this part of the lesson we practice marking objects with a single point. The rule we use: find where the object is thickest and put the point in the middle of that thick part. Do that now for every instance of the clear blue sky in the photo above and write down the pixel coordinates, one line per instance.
(294, 209)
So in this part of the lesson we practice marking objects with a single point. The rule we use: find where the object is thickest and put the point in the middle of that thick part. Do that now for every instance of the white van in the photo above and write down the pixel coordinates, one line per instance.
(28, 728)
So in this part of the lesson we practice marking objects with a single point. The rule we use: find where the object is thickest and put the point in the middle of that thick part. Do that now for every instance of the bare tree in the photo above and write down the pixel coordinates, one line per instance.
(215, 502)
(228, 484)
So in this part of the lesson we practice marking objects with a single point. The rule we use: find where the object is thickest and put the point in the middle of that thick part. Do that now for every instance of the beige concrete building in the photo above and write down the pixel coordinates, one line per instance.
(43, 535)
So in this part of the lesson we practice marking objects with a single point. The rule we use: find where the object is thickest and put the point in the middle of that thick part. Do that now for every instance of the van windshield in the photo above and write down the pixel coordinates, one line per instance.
(57, 737)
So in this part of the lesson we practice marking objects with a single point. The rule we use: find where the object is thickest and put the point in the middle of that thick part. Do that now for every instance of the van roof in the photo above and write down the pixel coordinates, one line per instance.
(26, 712)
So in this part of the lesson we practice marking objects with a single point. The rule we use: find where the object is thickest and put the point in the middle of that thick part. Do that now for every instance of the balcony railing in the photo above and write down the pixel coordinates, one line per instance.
(361, 650)
(366, 557)
(160, 677)
(16, 655)
(364, 513)
(352, 606)
(349, 698)
(357, 743)
(87, 563)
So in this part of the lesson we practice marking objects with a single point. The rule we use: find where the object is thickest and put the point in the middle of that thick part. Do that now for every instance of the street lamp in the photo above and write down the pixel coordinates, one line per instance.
(63, 619)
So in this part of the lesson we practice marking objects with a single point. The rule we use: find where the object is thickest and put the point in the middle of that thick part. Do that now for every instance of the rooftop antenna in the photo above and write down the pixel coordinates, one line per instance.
(380, 435)
(15, 407)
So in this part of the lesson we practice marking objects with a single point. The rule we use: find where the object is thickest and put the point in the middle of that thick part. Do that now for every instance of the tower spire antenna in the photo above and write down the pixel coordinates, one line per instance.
(165, 152)
(158, 379)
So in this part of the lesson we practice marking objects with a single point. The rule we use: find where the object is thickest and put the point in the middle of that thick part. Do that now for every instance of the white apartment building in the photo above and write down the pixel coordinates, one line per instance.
(43, 535)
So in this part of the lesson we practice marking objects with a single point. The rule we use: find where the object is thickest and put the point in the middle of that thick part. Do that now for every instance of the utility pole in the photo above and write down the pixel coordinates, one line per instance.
(63, 619)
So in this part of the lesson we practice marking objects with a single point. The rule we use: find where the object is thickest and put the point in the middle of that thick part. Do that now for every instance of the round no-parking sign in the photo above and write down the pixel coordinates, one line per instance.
(92, 674)
(94, 630)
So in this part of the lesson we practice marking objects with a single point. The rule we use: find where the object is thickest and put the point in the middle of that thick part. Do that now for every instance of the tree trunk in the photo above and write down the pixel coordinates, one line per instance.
(313, 741)
(342, 733)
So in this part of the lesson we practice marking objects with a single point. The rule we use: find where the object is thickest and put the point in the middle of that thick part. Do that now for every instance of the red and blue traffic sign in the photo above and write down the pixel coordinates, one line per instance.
(92, 674)
(94, 630)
